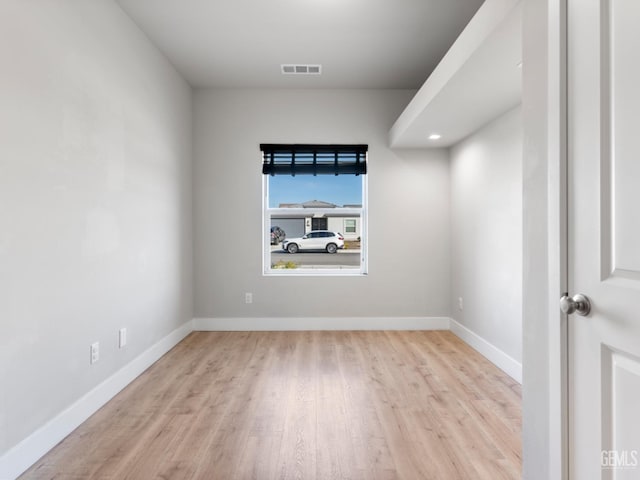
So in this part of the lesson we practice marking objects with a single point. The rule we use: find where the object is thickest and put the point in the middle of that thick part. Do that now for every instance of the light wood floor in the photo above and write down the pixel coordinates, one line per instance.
(304, 405)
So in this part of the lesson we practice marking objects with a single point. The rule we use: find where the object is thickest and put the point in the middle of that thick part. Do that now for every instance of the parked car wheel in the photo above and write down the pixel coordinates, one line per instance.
(292, 248)
(332, 248)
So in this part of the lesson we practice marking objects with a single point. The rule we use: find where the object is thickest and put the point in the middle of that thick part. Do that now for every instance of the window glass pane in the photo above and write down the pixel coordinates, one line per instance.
(318, 251)
(318, 223)
(326, 190)
(350, 225)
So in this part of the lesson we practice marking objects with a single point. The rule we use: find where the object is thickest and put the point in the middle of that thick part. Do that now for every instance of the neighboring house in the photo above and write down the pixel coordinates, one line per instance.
(296, 224)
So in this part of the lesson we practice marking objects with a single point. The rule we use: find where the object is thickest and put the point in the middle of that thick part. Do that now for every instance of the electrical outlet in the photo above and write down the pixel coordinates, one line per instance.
(248, 297)
(95, 352)
(460, 304)
(122, 337)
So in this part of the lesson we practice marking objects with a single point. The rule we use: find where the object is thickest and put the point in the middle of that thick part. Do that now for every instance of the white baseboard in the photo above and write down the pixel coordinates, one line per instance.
(26, 453)
(320, 323)
(496, 356)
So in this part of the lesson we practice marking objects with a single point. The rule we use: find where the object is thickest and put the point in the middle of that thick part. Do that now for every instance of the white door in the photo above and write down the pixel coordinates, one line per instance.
(604, 237)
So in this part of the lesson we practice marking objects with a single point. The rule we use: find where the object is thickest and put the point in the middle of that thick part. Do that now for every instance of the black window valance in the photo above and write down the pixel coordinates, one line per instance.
(298, 159)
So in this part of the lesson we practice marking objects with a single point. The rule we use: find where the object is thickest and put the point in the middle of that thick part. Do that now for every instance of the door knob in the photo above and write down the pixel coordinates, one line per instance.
(579, 304)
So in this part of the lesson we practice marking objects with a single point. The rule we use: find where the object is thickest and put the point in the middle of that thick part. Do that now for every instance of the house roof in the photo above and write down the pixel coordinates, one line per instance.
(318, 204)
(309, 204)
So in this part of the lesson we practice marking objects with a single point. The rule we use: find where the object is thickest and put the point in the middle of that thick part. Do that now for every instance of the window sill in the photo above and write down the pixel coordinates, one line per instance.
(314, 272)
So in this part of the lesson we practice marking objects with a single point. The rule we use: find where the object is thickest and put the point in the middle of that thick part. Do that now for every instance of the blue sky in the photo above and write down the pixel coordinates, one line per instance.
(340, 190)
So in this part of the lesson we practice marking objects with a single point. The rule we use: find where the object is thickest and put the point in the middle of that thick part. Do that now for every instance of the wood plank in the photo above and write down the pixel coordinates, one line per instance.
(309, 405)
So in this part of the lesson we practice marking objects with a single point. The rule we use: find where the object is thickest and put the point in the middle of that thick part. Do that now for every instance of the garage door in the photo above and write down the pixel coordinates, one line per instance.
(293, 227)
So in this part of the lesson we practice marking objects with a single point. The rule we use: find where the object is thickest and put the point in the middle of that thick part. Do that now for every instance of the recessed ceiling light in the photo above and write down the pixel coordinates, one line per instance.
(435, 136)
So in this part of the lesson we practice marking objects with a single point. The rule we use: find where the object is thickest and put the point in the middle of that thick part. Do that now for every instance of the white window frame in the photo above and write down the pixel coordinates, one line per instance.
(268, 213)
(355, 225)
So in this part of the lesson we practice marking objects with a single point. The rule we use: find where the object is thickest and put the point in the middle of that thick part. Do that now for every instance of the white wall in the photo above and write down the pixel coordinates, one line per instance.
(486, 219)
(408, 207)
(95, 202)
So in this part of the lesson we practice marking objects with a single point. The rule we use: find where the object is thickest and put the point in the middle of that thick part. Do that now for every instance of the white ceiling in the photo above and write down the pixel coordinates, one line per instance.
(479, 79)
(360, 43)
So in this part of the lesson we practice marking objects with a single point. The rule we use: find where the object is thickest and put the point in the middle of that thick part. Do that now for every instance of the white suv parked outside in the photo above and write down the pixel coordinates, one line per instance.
(324, 240)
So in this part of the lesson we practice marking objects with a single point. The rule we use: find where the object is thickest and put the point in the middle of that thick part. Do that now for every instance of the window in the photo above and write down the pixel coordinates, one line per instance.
(314, 209)
(350, 225)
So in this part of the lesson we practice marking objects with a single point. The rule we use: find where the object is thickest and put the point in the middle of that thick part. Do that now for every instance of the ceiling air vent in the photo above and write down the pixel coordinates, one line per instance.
(301, 69)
